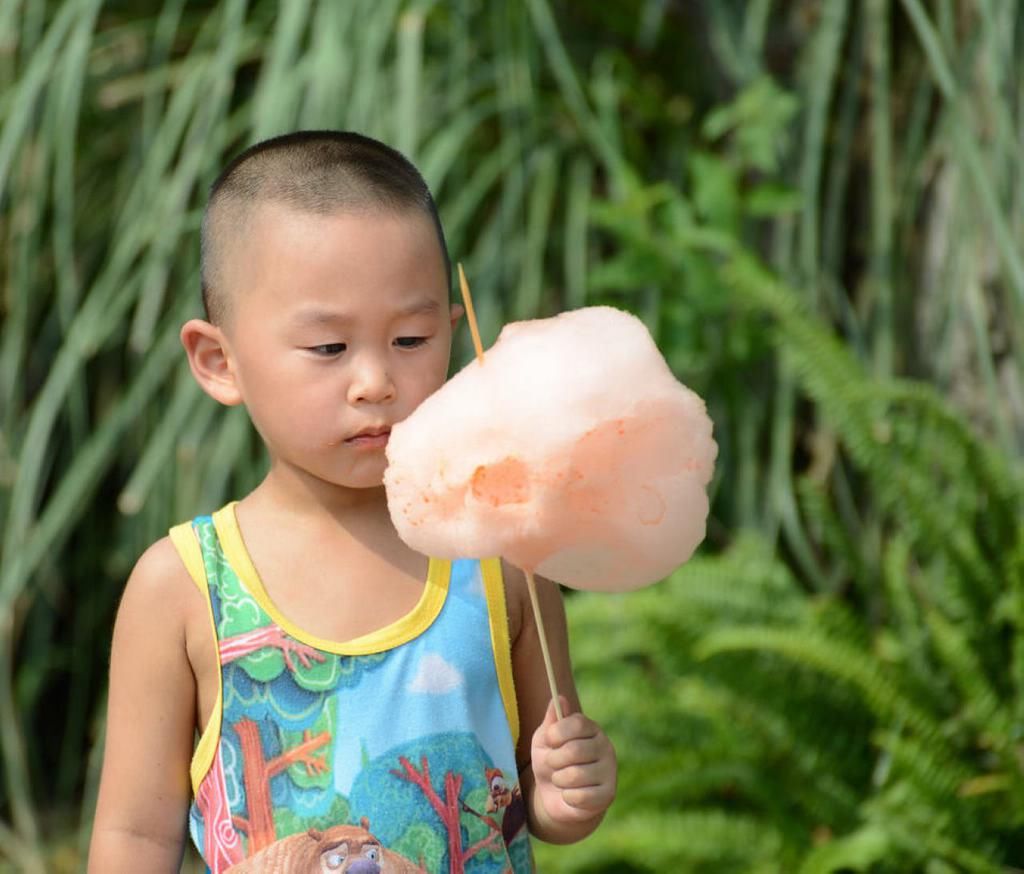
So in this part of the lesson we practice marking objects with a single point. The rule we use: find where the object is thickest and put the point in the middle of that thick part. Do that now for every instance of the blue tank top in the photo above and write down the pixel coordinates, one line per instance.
(393, 753)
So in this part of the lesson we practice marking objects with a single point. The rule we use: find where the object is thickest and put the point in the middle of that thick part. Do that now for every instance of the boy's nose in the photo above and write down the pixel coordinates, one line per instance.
(371, 383)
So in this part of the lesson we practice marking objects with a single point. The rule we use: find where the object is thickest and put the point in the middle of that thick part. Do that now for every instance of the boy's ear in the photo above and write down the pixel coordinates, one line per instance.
(455, 313)
(210, 362)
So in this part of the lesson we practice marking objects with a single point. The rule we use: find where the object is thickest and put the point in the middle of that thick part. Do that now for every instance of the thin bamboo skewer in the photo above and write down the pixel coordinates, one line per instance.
(467, 301)
(549, 667)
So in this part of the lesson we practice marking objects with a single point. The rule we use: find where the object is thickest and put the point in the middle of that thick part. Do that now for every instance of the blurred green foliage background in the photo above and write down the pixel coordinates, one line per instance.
(817, 209)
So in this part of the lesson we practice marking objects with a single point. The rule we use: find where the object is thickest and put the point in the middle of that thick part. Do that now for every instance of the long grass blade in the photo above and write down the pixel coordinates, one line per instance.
(538, 223)
(882, 179)
(967, 147)
(823, 65)
(409, 73)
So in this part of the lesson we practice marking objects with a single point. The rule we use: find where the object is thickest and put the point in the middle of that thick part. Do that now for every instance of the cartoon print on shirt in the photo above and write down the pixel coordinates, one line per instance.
(509, 799)
(343, 849)
(304, 759)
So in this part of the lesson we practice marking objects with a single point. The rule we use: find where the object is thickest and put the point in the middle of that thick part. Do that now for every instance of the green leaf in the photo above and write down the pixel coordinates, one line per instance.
(858, 851)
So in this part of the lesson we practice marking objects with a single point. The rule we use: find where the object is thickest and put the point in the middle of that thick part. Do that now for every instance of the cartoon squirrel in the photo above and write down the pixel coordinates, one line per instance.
(510, 800)
(341, 849)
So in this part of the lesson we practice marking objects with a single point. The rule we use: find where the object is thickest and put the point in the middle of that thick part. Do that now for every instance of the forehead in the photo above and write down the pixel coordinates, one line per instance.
(351, 232)
(297, 260)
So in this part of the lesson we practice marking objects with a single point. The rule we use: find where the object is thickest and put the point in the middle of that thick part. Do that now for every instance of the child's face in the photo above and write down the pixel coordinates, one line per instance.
(339, 326)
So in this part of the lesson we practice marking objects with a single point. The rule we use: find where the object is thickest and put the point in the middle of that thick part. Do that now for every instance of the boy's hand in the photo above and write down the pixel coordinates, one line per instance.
(574, 768)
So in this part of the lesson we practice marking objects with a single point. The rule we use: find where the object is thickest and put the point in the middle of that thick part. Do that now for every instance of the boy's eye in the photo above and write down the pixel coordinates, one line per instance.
(410, 342)
(328, 348)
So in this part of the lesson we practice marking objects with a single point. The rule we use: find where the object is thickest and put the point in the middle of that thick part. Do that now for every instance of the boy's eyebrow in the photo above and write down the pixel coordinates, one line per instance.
(314, 317)
(423, 306)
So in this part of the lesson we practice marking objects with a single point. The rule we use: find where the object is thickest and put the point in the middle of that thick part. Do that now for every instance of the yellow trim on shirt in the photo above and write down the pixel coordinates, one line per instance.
(184, 540)
(402, 630)
(494, 588)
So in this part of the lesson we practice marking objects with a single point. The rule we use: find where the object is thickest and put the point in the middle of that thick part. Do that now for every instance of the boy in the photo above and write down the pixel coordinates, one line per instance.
(360, 707)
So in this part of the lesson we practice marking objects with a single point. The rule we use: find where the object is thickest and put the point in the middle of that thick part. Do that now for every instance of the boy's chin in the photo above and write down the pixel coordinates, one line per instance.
(362, 481)
(366, 486)
(361, 477)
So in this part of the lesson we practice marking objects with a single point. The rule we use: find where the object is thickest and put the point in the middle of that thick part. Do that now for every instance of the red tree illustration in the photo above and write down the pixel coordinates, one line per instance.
(256, 770)
(448, 810)
(222, 846)
(256, 774)
(232, 648)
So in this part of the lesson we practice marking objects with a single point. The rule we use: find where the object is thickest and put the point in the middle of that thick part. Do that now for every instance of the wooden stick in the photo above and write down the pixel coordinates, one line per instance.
(532, 586)
(467, 301)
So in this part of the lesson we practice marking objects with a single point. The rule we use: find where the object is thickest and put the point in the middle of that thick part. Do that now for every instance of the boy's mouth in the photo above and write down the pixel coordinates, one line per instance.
(370, 437)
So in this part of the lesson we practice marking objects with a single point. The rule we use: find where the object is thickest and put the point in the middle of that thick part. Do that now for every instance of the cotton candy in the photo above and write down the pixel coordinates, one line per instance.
(571, 450)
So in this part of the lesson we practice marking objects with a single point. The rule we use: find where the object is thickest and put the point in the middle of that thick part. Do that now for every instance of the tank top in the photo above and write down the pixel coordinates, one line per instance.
(392, 753)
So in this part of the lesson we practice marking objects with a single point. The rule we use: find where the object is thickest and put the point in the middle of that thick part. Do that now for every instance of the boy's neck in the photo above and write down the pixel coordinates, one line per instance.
(312, 501)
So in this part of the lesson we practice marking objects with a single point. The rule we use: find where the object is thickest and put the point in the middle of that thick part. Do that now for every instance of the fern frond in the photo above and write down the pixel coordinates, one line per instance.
(1013, 615)
(816, 785)
(858, 851)
(847, 557)
(982, 705)
(675, 841)
(931, 767)
(905, 620)
(746, 584)
(928, 843)
(993, 472)
(854, 666)
(916, 451)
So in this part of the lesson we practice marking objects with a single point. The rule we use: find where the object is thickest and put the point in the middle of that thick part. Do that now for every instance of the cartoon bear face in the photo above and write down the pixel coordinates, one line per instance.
(341, 849)
(353, 855)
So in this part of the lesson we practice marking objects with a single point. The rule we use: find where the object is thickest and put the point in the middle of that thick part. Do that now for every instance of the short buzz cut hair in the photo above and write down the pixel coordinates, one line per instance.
(323, 172)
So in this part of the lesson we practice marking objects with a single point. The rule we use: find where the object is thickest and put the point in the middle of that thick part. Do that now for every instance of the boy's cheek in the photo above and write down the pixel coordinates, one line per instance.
(308, 426)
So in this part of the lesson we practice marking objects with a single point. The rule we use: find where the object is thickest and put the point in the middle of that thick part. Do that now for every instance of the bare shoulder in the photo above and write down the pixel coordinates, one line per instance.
(160, 596)
(159, 568)
(159, 571)
(157, 615)
(151, 667)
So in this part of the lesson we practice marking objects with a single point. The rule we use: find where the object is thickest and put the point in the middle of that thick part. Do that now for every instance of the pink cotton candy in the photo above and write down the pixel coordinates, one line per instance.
(571, 450)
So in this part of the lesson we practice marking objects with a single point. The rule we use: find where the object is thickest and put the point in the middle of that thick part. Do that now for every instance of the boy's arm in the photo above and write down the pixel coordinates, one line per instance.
(567, 767)
(144, 789)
